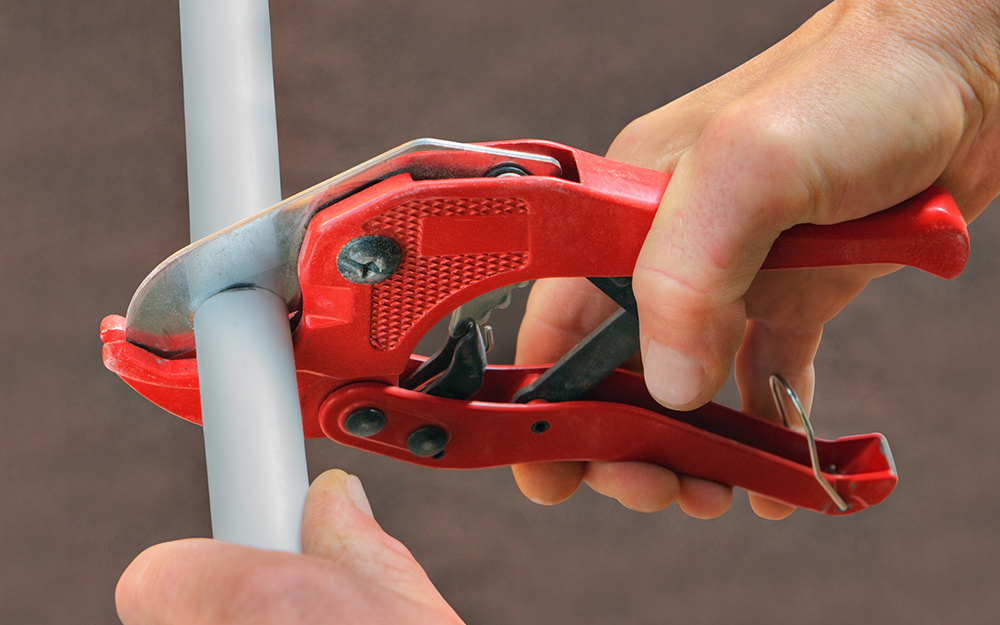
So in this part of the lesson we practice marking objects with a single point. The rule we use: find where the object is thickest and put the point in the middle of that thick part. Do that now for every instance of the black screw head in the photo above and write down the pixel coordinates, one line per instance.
(365, 422)
(427, 441)
(368, 260)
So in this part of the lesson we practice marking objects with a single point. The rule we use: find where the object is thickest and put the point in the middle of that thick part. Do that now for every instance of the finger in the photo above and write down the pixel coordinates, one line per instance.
(352, 572)
(201, 581)
(790, 355)
(207, 582)
(648, 488)
(548, 483)
(560, 312)
(338, 525)
(636, 485)
(768, 508)
(694, 267)
(789, 309)
(767, 350)
(702, 499)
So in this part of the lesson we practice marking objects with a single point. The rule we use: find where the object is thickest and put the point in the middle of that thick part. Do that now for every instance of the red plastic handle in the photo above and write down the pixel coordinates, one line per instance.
(927, 231)
(617, 421)
(463, 237)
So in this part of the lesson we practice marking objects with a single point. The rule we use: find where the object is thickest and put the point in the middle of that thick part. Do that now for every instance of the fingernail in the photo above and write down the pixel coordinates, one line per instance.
(673, 378)
(357, 494)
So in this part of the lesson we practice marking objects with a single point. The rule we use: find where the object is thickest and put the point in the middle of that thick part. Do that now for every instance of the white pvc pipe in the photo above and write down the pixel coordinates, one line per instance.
(253, 432)
(229, 118)
(254, 446)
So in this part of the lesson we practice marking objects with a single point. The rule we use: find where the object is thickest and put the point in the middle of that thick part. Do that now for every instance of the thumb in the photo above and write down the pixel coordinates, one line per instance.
(338, 525)
(723, 208)
(352, 572)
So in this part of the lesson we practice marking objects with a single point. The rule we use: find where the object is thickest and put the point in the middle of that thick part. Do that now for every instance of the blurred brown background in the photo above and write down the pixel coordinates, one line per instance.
(93, 196)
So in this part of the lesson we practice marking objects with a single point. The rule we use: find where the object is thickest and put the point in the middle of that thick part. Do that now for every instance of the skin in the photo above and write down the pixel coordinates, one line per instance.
(865, 105)
(350, 572)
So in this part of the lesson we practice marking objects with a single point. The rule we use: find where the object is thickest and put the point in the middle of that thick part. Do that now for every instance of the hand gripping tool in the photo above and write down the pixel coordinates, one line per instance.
(369, 260)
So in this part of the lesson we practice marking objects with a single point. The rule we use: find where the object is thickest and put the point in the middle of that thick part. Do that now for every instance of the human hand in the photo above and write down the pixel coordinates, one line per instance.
(865, 105)
(350, 572)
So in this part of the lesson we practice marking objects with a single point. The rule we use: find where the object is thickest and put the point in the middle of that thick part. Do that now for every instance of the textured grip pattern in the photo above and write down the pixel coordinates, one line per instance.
(422, 282)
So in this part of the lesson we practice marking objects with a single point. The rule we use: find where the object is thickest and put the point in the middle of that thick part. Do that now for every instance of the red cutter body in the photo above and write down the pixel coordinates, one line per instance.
(463, 237)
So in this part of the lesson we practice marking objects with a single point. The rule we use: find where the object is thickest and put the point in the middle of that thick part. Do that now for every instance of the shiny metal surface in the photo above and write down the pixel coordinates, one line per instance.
(262, 251)
(479, 308)
(778, 386)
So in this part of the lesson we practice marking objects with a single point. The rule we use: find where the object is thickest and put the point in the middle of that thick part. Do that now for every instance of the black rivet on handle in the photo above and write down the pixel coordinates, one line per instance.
(365, 422)
(427, 442)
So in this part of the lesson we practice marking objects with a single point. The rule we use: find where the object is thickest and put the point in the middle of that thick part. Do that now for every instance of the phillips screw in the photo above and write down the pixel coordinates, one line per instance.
(368, 260)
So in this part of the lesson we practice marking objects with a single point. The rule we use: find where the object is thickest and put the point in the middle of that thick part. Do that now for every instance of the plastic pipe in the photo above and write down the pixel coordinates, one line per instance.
(254, 447)
(229, 118)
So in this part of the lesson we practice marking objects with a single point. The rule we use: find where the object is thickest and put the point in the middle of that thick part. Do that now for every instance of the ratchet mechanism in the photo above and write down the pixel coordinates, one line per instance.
(371, 259)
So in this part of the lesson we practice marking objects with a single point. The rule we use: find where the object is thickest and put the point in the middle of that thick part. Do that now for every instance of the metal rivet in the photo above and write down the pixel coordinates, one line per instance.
(365, 422)
(507, 170)
(367, 260)
(540, 427)
(427, 441)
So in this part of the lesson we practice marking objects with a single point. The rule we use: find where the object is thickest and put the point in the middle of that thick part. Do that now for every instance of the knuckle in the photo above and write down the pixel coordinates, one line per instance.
(663, 292)
(643, 142)
(398, 569)
(631, 137)
(774, 157)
